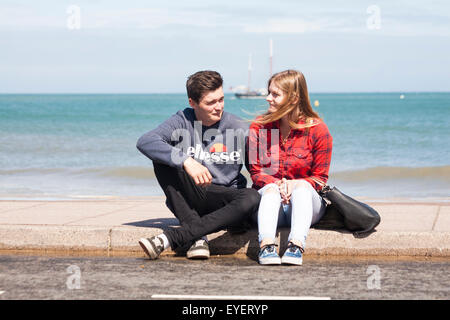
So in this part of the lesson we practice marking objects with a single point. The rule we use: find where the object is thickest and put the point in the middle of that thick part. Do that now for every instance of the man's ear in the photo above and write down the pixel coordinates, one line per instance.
(192, 103)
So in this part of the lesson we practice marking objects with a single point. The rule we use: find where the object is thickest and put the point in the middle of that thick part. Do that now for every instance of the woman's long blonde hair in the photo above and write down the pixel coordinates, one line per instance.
(296, 104)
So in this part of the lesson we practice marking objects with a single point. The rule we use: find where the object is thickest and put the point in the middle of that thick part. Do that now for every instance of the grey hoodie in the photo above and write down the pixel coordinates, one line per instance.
(221, 147)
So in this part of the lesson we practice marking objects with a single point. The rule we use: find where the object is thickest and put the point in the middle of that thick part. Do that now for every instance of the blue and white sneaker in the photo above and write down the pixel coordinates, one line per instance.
(268, 255)
(293, 255)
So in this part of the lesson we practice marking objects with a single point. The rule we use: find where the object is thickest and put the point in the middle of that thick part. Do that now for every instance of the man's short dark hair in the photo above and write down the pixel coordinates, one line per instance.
(201, 82)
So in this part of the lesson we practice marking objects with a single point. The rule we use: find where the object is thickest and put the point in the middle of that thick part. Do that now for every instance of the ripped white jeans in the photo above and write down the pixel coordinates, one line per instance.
(304, 209)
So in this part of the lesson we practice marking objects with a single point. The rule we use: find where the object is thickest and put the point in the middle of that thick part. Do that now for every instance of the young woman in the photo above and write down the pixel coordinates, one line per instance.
(289, 149)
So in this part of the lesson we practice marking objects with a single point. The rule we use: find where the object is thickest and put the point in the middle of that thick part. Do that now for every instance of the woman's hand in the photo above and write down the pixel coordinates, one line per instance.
(281, 189)
(286, 188)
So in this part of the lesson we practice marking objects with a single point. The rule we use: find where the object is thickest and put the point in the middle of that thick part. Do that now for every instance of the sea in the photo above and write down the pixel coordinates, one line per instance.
(386, 146)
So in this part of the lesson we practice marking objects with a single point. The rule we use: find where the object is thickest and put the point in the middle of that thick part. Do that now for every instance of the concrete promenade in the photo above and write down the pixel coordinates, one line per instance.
(113, 226)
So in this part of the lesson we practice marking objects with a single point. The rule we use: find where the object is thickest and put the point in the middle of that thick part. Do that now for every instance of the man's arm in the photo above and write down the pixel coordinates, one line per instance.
(157, 143)
(197, 171)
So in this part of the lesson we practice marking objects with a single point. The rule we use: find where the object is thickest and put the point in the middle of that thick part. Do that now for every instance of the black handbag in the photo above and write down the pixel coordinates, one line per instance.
(345, 212)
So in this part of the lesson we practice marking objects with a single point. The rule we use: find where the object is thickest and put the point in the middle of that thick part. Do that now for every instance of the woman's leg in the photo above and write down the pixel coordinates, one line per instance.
(268, 213)
(307, 209)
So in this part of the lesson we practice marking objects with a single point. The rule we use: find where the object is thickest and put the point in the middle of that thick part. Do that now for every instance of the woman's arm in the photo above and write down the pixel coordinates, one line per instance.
(322, 142)
(259, 174)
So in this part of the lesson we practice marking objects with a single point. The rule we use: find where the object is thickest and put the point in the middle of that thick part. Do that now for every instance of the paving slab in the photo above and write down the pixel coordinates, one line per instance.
(141, 214)
(8, 206)
(397, 217)
(58, 213)
(442, 223)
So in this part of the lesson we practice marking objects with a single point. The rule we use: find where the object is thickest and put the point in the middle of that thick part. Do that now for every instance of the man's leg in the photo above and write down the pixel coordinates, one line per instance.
(183, 197)
(237, 206)
(226, 205)
(202, 210)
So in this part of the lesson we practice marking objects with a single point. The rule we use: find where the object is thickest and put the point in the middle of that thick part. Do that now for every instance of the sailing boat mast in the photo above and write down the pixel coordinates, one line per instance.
(249, 71)
(254, 94)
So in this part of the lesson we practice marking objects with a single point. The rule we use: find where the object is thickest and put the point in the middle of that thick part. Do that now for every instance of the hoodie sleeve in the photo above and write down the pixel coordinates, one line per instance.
(160, 145)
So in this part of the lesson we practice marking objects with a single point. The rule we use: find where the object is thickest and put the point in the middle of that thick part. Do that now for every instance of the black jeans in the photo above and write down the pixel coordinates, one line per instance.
(202, 210)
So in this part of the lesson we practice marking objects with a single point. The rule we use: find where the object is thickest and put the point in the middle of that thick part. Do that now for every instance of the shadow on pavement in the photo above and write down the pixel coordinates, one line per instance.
(237, 238)
(162, 223)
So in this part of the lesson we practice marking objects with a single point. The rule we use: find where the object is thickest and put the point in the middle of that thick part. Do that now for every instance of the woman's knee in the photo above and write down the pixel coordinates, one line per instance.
(271, 193)
(302, 187)
(271, 188)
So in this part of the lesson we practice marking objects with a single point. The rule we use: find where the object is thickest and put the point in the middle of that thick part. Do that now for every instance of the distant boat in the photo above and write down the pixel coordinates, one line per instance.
(250, 95)
(254, 94)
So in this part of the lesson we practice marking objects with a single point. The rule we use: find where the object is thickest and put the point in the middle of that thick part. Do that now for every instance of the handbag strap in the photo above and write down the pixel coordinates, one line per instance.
(324, 189)
(318, 181)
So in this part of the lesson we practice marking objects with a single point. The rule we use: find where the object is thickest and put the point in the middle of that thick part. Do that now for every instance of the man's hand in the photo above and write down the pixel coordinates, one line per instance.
(197, 171)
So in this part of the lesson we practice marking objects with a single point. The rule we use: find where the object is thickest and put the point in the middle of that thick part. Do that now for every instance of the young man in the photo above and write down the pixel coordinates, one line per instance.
(197, 156)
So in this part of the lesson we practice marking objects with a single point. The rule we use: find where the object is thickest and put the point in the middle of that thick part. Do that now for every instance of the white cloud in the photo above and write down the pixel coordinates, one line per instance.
(149, 18)
(294, 18)
(23, 17)
(280, 25)
(105, 17)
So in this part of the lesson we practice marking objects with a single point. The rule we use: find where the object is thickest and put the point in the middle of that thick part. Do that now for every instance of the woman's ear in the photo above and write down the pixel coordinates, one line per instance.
(295, 99)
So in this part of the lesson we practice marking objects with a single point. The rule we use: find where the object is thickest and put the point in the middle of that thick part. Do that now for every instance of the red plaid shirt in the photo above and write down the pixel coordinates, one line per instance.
(306, 153)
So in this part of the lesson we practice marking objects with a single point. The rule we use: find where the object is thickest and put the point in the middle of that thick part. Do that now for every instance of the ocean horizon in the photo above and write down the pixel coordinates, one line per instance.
(387, 145)
(184, 93)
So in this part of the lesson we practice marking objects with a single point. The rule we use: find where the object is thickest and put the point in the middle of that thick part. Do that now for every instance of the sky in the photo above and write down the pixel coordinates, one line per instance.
(95, 46)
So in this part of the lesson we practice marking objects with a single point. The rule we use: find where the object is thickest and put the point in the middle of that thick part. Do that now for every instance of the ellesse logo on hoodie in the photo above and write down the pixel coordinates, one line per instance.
(218, 147)
(217, 153)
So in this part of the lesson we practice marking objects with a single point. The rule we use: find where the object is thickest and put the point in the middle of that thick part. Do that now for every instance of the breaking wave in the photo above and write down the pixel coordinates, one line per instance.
(441, 173)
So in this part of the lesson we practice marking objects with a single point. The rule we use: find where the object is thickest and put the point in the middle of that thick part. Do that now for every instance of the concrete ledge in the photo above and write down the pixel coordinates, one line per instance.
(23, 237)
(123, 239)
(113, 227)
